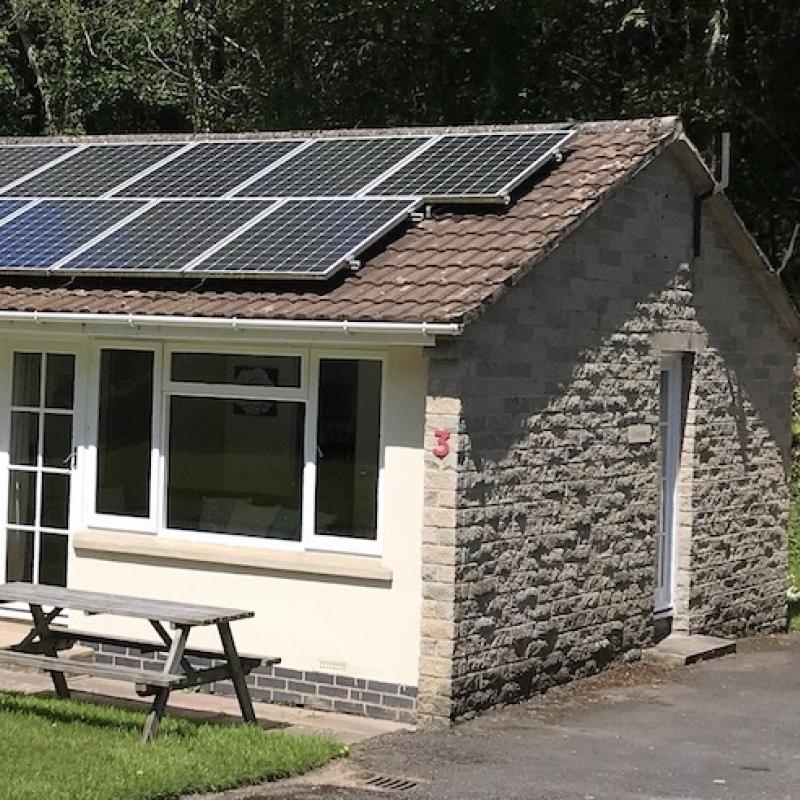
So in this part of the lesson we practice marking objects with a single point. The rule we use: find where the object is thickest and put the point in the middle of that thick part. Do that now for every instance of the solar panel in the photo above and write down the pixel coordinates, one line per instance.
(307, 238)
(167, 237)
(331, 167)
(10, 207)
(338, 197)
(17, 161)
(211, 169)
(94, 171)
(477, 164)
(50, 230)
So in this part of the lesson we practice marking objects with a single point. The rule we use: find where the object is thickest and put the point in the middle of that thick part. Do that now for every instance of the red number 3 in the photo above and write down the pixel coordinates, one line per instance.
(442, 447)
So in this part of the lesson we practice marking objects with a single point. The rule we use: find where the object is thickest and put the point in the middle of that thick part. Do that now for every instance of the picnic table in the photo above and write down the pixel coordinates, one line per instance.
(40, 648)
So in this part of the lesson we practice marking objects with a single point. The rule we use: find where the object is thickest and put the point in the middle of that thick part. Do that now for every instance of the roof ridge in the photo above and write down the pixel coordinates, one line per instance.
(596, 126)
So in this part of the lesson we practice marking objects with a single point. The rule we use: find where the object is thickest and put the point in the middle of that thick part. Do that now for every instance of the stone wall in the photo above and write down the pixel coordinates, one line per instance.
(546, 512)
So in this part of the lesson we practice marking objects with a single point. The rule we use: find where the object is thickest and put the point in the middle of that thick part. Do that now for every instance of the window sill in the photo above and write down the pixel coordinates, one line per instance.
(137, 546)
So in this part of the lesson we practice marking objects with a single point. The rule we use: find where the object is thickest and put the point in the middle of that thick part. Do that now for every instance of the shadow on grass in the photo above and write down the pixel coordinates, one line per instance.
(102, 716)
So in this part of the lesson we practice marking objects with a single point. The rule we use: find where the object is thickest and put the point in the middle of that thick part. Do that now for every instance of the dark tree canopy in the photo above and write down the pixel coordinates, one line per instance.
(102, 66)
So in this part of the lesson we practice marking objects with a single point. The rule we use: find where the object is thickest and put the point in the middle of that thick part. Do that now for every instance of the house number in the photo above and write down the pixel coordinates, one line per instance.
(442, 447)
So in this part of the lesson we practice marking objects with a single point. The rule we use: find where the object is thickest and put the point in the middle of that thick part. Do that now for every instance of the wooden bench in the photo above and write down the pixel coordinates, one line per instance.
(39, 649)
(66, 667)
(67, 637)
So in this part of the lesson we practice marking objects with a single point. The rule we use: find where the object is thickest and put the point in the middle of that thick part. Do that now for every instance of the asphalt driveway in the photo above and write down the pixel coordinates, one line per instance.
(722, 730)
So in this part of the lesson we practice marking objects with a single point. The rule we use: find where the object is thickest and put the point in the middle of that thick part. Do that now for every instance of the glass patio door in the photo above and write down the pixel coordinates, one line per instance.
(40, 465)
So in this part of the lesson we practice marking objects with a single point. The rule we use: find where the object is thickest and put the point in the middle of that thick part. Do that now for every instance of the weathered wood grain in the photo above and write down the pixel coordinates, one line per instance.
(118, 604)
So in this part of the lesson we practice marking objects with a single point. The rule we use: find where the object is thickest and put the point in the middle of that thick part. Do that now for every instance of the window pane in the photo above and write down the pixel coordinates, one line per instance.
(124, 437)
(235, 466)
(21, 497)
(27, 374)
(19, 556)
(348, 448)
(55, 501)
(241, 370)
(57, 440)
(59, 381)
(53, 559)
(24, 437)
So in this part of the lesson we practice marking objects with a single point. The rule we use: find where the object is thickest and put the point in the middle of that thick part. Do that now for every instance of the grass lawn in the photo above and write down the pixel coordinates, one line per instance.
(62, 750)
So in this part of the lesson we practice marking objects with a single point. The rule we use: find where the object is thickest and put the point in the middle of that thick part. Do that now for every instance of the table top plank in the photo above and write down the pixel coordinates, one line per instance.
(119, 605)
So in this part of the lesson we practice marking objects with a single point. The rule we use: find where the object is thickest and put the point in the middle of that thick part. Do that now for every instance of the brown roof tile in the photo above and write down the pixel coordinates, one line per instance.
(475, 253)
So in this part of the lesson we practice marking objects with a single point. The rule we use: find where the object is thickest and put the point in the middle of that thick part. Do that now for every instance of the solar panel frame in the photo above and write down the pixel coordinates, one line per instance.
(188, 167)
(47, 155)
(148, 247)
(11, 208)
(402, 182)
(326, 169)
(83, 179)
(70, 224)
(395, 211)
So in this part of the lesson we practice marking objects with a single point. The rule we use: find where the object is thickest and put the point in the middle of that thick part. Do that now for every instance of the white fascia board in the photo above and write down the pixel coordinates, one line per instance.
(217, 328)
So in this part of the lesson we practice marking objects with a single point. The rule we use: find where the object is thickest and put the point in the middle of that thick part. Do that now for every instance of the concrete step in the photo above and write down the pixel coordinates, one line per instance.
(681, 649)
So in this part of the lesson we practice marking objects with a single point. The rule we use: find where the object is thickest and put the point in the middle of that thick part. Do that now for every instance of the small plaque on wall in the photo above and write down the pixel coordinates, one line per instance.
(640, 434)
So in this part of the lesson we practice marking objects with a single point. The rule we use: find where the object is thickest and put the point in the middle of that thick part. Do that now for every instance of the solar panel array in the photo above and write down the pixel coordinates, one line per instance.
(282, 208)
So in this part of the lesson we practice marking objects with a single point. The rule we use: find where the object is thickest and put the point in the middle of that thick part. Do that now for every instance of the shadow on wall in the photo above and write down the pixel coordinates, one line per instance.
(558, 509)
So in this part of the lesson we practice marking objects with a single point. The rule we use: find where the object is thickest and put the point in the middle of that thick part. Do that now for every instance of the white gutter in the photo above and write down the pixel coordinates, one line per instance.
(235, 324)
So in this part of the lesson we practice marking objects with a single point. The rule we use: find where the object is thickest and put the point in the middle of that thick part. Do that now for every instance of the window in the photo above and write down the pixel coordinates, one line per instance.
(235, 466)
(348, 446)
(251, 446)
(124, 432)
(241, 370)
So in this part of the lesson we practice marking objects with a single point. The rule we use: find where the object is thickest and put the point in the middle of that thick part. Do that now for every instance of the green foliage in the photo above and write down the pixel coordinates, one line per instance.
(63, 750)
(101, 66)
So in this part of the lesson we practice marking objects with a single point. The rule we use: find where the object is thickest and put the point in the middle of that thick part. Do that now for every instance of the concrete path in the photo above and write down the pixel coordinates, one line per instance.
(720, 730)
(347, 728)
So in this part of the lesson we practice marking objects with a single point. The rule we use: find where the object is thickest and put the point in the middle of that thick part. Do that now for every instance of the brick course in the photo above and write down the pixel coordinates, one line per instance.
(305, 688)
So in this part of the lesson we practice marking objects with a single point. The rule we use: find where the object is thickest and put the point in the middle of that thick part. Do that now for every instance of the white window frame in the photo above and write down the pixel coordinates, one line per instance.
(66, 345)
(225, 391)
(340, 544)
(164, 389)
(672, 364)
(148, 524)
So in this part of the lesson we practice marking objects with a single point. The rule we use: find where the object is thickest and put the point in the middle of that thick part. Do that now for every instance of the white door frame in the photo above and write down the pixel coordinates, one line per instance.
(64, 345)
(669, 448)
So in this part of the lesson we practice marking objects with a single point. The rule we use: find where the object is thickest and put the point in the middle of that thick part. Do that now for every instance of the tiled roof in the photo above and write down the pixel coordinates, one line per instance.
(443, 269)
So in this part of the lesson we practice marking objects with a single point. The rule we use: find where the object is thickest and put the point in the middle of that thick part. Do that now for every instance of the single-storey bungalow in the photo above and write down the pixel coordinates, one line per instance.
(496, 452)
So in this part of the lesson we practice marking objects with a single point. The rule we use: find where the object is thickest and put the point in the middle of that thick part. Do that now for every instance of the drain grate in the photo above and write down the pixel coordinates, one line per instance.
(388, 783)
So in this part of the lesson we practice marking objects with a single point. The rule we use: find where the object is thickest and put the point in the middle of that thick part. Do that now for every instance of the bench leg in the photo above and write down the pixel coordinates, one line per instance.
(41, 622)
(174, 658)
(153, 721)
(237, 673)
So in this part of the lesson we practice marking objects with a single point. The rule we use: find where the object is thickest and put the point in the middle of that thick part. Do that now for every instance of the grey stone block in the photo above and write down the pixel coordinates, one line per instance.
(346, 707)
(285, 672)
(384, 688)
(320, 677)
(287, 698)
(380, 712)
(269, 682)
(332, 691)
(302, 687)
